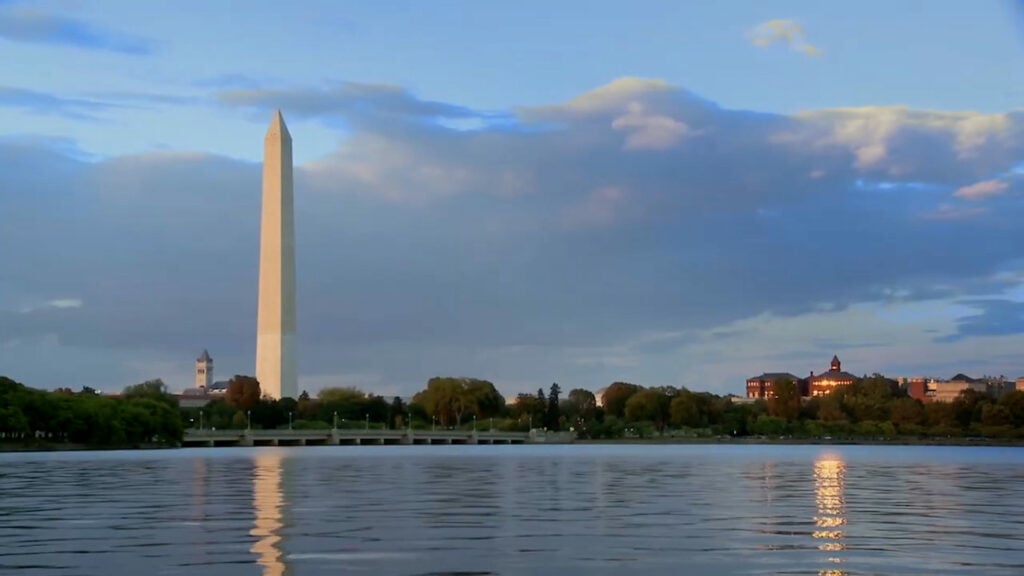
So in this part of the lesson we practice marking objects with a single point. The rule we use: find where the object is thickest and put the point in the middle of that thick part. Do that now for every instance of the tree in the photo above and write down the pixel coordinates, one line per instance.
(785, 400)
(616, 396)
(553, 415)
(397, 414)
(685, 410)
(906, 412)
(650, 405)
(447, 399)
(528, 407)
(486, 401)
(152, 389)
(243, 392)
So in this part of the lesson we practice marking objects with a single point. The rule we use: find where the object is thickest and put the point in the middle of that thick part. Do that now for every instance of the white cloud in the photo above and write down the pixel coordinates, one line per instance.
(649, 131)
(783, 31)
(981, 190)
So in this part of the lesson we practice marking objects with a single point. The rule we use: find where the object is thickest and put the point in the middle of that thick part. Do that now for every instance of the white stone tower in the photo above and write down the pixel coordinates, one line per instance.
(275, 337)
(204, 370)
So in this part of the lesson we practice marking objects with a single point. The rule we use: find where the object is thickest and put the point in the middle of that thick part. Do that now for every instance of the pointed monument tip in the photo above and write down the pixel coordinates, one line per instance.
(277, 125)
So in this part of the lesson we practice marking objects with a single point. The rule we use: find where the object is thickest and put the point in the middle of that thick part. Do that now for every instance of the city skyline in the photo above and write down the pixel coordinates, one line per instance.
(680, 194)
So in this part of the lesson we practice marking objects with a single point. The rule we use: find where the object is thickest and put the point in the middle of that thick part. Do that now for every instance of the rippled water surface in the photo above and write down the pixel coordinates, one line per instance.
(567, 510)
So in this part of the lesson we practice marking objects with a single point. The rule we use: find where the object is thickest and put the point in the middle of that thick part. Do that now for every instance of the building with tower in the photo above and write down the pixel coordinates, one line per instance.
(204, 370)
(825, 383)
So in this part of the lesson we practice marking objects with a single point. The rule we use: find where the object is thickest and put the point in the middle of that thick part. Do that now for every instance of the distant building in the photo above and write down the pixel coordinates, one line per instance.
(948, 390)
(917, 388)
(827, 382)
(204, 370)
(763, 386)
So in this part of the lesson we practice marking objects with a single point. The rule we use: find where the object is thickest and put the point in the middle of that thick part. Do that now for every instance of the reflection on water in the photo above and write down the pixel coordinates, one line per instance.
(829, 471)
(583, 510)
(268, 501)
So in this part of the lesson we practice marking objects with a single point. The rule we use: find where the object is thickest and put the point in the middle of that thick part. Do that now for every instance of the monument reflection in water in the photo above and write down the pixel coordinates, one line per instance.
(829, 471)
(268, 503)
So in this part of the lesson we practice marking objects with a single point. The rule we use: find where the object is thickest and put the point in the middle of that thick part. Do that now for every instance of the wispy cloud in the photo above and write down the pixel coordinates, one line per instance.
(24, 24)
(46, 103)
(981, 190)
(782, 31)
(352, 100)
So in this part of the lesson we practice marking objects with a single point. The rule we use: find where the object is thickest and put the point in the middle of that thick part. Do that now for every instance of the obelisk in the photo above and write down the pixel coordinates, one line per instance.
(275, 324)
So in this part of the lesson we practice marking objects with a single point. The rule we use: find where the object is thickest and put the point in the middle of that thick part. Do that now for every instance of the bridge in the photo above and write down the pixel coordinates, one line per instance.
(361, 437)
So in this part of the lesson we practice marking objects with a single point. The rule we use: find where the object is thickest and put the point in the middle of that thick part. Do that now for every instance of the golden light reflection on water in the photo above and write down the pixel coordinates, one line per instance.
(829, 473)
(268, 501)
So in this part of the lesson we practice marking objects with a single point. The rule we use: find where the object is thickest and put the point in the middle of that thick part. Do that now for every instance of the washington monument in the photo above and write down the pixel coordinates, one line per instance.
(275, 330)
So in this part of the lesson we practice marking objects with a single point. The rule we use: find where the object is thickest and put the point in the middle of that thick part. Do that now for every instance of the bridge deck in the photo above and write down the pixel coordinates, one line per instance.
(353, 437)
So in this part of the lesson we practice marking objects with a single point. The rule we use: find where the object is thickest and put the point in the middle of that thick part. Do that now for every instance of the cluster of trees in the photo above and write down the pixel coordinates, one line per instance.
(244, 406)
(146, 414)
(143, 414)
(871, 407)
(875, 406)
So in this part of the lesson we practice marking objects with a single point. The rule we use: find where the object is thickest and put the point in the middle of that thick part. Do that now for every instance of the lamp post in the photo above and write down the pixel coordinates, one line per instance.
(474, 423)
(289, 420)
(248, 420)
(367, 422)
(409, 418)
(433, 423)
(531, 421)
(200, 419)
(492, 423)
(335, 426)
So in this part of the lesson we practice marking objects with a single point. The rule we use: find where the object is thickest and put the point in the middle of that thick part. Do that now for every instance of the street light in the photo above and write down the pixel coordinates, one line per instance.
(335, 428)
(409, 418)
(200, 419)
(433, 423)
(474, 422)
(492, 423)
(367, 422)
(531, 421)
(289, 420)
(248, 420)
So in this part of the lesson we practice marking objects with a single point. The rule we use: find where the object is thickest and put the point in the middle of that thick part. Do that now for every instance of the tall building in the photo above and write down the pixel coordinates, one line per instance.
(275, 339)
(204, 370)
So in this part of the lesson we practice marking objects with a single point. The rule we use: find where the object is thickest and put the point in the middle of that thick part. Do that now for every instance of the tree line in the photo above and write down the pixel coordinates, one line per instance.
(146, 413)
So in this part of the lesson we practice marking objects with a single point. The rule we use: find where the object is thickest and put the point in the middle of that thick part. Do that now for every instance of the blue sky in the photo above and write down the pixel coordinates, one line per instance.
(681, 193)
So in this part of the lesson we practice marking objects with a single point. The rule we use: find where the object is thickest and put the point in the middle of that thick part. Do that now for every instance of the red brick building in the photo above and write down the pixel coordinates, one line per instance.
(825, 383)
(763, 386)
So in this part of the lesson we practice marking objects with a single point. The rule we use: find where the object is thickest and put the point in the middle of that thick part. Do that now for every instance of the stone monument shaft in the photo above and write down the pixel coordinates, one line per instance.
(275, 331)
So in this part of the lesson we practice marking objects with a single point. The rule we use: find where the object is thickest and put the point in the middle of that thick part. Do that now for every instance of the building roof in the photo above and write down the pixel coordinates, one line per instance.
(204, 357)
(961, 377)
(773, 376)
(219, 385)
(834, 375)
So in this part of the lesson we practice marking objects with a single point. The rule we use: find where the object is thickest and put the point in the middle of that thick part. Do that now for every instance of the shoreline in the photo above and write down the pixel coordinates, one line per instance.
(725, 441)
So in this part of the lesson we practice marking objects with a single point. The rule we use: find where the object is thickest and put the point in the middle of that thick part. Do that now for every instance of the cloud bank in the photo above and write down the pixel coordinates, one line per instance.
(617, 235)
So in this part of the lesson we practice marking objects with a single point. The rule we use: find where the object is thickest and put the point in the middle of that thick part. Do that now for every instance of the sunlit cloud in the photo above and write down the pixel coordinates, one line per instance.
(981, 190)
(783, 31)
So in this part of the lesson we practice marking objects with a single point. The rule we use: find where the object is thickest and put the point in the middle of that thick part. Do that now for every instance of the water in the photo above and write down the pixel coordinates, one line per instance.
(566, 510)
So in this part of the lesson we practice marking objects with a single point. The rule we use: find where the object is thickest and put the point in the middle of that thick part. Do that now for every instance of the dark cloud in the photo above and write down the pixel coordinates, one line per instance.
(24, 24)
(576, 242)
(994, 318)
